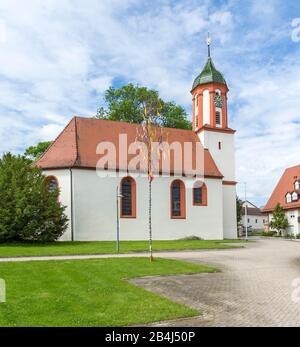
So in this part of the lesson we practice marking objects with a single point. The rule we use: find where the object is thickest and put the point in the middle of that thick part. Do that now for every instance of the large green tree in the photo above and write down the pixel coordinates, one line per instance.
(29, 211)
(35, 152)
(279, 221)
(126, 104)
(239, 209)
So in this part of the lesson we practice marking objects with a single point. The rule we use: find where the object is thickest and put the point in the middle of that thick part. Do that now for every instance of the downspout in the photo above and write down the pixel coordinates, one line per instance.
(72, 209)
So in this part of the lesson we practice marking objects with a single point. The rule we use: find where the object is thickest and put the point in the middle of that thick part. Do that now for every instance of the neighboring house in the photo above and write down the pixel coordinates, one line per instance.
(287, 194)
(255, 218)
(182, 204)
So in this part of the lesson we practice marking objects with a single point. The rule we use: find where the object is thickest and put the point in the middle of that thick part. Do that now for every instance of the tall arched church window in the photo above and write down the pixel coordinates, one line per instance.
(128, 198)
(178, 208)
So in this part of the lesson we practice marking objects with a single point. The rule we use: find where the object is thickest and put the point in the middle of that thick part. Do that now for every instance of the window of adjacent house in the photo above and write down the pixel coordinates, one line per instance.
(256, 221)
(220, 145)
(128, 199)
(218, 118)
(248, 220)
(177, 199)
(200, 194)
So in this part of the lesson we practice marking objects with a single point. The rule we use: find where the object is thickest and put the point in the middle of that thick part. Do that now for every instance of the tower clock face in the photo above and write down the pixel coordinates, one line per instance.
(218, 101)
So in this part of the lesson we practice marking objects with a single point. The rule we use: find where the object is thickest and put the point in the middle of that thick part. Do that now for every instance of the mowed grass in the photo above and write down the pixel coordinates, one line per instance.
(107, 247)
(88, 292)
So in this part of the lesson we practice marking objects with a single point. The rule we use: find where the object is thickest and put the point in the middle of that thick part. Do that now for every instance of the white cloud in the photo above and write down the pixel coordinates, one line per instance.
(268, 121)
(60, 56)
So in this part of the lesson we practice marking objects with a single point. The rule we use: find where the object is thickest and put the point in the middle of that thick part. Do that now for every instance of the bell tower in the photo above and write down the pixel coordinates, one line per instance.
(210, 122)
(209, 93)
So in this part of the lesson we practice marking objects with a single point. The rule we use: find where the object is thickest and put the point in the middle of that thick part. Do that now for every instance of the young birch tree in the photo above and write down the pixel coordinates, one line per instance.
(150, 132)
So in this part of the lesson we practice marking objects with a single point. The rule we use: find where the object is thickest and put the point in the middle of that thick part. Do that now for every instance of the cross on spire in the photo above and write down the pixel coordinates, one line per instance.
(208, 43)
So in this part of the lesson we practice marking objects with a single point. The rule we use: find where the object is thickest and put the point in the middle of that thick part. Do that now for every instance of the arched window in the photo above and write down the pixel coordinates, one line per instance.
(297, 185)
(52, 184)
(177, 200)
(288, 197)
(200, 194)
(128, 199)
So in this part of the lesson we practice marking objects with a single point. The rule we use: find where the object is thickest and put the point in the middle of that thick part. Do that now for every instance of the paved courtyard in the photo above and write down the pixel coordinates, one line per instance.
(253, 289)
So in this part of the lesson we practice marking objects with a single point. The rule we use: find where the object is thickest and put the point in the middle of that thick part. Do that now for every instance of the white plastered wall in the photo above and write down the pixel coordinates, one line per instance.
(256, 222)
(95, 209)
(225, 161)
(64, 182)
(224, 157)
(229, 212)
(293, 219)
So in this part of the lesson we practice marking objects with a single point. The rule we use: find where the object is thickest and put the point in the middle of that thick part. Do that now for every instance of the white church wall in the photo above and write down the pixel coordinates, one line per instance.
(224, 157)
(229, 212)
(64, 182)
(95, 209)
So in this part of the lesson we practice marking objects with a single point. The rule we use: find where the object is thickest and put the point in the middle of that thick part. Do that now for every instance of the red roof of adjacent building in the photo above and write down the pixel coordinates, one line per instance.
(285, 185)
(252, 211)
(77, 143)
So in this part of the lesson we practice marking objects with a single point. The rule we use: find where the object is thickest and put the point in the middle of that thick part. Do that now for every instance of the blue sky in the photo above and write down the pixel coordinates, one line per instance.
(57, 57)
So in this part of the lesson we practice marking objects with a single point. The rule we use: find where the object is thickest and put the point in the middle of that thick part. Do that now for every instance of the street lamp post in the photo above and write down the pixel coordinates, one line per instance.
(246, 214)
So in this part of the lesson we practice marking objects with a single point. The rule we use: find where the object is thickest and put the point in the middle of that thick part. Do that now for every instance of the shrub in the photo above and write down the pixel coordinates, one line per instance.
(268, 233)
(28, 211)
(193, 237)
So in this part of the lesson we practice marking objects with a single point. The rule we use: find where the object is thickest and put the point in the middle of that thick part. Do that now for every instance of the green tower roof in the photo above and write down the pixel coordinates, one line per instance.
(209, 74)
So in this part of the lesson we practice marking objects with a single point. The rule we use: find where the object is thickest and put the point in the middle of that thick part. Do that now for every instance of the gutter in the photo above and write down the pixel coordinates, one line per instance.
(72, 205)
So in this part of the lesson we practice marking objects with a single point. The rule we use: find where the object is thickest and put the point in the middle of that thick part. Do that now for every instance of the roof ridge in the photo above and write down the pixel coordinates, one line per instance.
(292, 167)
(130, 124)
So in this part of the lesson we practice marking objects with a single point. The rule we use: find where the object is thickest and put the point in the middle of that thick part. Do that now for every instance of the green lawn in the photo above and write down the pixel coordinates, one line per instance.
(106, 247)
(88, 292)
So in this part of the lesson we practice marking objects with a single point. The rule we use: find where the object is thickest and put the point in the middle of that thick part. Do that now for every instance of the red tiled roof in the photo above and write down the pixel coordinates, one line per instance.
(252, 211)
(284, 186)
(76, 145)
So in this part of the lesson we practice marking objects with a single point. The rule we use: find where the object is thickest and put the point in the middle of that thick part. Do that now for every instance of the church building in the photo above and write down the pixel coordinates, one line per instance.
(185, 202)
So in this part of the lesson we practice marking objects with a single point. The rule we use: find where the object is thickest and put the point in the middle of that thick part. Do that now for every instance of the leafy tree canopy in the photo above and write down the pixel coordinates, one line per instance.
(239, 208)
(35, 152)
(28, 211)
(126, 104)
(279, 221)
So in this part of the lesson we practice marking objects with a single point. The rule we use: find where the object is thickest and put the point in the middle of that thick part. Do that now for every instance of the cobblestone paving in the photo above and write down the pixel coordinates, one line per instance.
(253, 289)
